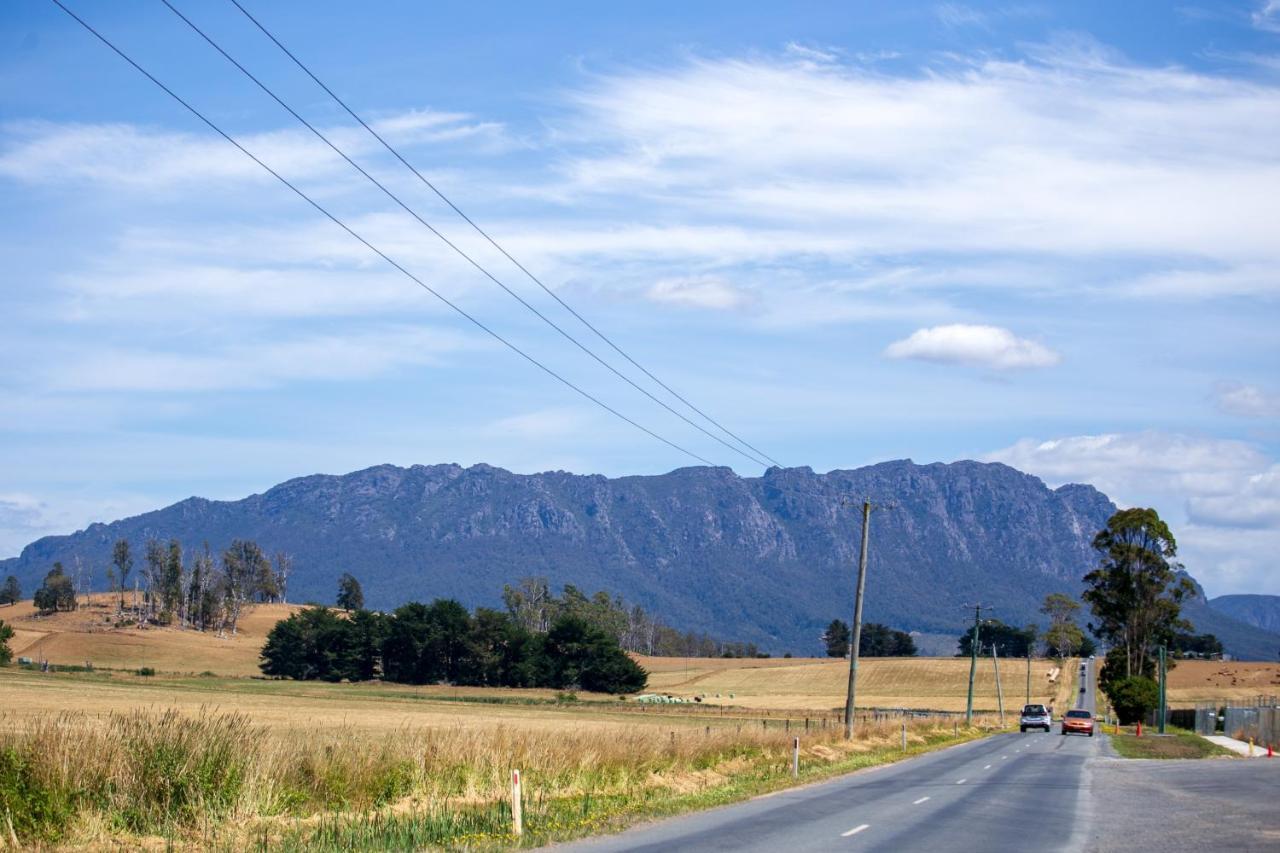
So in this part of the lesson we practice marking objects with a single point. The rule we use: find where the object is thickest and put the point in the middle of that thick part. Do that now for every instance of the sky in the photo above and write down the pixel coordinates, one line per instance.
(1040, 234)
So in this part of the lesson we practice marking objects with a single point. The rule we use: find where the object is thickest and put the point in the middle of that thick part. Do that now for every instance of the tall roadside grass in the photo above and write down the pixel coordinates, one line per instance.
(218, 780)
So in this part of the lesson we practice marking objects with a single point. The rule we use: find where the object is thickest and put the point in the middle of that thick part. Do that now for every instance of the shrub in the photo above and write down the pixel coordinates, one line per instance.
(1134, 697)
(6, 653)
(146, 670)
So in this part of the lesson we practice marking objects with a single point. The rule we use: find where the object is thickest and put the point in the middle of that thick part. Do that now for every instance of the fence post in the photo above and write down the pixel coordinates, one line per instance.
(904, 736)
(795, 758)
(517, 817)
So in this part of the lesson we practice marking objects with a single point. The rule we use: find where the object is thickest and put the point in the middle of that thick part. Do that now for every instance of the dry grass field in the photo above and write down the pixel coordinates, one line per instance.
(776, 685)
(1207, 680)
(819, 683)
(112, 757)
(88, 635)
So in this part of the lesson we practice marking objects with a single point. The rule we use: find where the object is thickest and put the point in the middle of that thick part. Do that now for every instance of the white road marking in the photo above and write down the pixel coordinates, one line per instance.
(988, 767)
(1003, 757)
(855, 830)
(919, 801)
(960, 781)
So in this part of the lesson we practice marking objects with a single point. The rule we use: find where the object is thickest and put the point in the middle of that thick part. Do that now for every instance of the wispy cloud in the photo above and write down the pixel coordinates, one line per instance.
(1214, 491)
(1267, 16)
(959, 15)
(255, 364)
(698, 292)
(1249, 401)
(975, 346)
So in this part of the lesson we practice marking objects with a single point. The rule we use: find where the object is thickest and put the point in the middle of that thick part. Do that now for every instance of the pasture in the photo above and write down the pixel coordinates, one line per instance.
(344, 766)
(1194, 681)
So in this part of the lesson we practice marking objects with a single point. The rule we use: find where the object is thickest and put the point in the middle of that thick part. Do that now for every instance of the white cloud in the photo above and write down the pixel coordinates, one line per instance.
(542, 424)
(1221, 496)
(1267, 16)
(330, 357)
(1256, 503)
(796, 158)
(133, 157)
(25, 518)
(697, 292)
(978, 346)
(959, 15)
(1128, 466)
(1249, 401)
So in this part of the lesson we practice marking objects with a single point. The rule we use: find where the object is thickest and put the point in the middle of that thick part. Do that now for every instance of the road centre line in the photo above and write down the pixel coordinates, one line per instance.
(919, 801)
(988, 767)
(855, 830)
(960, 781)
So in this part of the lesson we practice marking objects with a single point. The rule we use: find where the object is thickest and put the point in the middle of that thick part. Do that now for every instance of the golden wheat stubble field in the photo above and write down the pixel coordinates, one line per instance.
(444, 748)
(774, 686)
(1192, 681)
(819, 683)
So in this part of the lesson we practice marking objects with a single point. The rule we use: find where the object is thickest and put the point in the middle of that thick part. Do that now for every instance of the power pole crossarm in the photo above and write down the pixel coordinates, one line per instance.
(973, 664)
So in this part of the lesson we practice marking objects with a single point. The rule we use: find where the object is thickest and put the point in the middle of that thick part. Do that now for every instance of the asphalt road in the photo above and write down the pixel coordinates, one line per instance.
(1010, 792)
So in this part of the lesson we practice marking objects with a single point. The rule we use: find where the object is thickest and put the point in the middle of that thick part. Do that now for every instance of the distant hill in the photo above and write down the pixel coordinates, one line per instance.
(764, 559)
(1260, 611)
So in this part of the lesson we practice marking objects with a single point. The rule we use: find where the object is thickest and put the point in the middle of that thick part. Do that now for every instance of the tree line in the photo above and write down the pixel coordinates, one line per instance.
(443, 642)
(534, 606)
(875, 641)
(171, 586)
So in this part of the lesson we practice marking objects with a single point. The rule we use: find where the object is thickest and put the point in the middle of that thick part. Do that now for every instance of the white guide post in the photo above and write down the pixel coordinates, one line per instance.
(517, 818)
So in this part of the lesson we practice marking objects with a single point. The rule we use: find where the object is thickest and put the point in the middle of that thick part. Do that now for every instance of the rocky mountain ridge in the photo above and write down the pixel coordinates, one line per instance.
(765, 559)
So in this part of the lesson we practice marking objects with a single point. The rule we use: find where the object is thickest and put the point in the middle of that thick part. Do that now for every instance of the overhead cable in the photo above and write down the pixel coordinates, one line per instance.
(457, 249)
(493, 242)
(327, 214)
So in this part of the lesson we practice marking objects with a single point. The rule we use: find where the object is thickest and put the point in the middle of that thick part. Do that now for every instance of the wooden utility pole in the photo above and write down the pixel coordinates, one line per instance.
(973, 663)
(995, 658)
(855, 638)
(1028, 674)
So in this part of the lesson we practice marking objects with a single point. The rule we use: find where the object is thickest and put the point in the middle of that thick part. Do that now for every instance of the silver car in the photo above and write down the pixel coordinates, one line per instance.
(1035, 717)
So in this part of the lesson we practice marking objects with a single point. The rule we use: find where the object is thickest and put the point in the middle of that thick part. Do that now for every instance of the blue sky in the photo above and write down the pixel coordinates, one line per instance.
(1044, 234)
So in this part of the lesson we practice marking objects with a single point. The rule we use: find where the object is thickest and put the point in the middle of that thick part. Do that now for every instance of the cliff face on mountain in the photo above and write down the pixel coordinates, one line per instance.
(768, 559)
(1260, 611)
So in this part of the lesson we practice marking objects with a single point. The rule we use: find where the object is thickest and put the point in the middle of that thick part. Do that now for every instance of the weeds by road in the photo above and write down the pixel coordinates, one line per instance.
(1176, 745)
(221, 781)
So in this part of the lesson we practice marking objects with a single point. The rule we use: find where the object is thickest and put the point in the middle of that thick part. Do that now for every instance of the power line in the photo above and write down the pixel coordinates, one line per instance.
(495, 243)
(369, 245)
(485, 272)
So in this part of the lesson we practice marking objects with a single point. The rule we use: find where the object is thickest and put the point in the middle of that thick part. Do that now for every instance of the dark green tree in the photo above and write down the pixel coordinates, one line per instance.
(56, 593)
(836, 639)
(366, 634)
(578, 654)
(1013, 642)
(11, 591)
(427, 643)
(350, 595)
(171, 580)
(122, 559)
(311, 644)
(1186, 645)
(243, 567)
(6, 634)
(501, 653)
(881, 641)
(1134, 697)
(1136, 593)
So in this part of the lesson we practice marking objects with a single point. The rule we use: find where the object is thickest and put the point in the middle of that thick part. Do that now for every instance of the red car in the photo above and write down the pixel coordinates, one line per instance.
(1078, 722)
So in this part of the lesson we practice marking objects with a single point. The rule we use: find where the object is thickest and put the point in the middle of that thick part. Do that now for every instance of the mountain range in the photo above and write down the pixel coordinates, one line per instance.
(769, 559)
